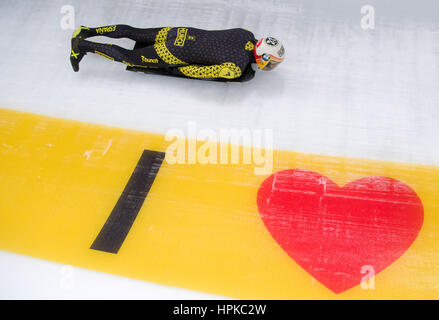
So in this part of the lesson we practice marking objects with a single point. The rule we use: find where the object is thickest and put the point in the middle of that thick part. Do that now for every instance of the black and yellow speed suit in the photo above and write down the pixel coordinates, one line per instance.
(224, 55)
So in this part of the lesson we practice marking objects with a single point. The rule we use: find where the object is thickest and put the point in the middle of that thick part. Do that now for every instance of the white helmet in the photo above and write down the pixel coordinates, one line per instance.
(269, 53)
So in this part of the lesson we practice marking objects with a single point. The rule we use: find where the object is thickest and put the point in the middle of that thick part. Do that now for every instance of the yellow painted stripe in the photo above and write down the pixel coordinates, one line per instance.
(199, 226)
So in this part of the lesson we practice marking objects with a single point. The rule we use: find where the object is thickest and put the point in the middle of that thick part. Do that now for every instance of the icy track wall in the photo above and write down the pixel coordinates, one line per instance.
(342, 91)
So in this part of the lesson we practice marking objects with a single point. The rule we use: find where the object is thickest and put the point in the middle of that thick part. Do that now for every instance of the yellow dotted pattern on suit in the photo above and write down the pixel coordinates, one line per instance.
(249, 46)
(161, 49)
(226, 70)
(162, 35)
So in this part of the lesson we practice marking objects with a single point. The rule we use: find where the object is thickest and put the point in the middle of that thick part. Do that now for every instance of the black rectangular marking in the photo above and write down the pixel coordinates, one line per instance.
(118, 224)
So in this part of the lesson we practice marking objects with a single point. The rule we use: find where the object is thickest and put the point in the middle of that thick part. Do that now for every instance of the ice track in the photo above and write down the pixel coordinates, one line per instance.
(342, 91)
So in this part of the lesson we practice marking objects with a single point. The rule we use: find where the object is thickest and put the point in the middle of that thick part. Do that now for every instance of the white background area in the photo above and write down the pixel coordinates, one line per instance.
(341, 91)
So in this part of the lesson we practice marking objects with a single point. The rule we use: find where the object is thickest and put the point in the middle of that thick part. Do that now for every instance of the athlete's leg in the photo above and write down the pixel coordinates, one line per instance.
(144, 57)
(146, 36)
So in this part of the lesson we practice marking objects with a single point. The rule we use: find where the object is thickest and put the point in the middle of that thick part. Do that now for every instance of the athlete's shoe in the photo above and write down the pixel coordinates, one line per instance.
(75, 55)
(81, 33)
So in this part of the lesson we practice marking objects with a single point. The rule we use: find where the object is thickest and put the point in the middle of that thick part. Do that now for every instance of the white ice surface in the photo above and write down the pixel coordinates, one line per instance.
(341, 91)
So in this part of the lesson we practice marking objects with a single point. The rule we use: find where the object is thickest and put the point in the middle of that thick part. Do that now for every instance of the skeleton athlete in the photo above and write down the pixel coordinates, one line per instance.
(222, 55)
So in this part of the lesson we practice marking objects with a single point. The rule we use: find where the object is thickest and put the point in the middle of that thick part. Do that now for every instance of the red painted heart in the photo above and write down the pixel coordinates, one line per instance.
(334, 232)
